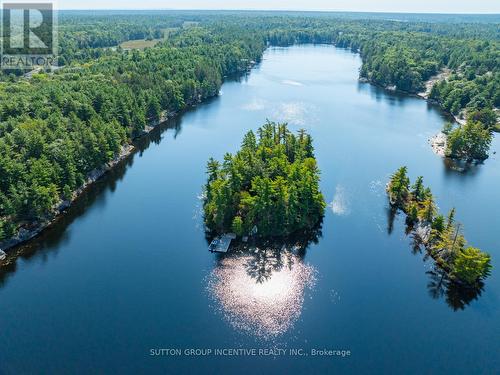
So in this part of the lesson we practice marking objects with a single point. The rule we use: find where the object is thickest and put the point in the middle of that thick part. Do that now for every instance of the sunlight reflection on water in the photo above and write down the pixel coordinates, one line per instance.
(340, 203)
(261, 293)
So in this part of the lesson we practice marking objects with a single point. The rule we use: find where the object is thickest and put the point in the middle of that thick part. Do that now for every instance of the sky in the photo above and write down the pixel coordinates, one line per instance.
(410, 6)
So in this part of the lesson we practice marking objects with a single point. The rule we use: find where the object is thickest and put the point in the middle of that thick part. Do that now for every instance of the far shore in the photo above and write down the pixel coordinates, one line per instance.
(31, 230)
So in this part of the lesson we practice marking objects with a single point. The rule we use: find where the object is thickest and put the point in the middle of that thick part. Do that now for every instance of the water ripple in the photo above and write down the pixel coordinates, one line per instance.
(261, 292)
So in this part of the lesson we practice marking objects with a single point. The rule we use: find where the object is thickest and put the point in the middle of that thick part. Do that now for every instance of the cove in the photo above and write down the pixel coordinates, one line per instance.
(128, 270)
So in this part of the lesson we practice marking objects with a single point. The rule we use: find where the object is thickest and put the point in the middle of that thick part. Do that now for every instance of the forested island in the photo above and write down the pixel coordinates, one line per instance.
(470, 141)
(441, 236)
(270, 187)
(60, 129)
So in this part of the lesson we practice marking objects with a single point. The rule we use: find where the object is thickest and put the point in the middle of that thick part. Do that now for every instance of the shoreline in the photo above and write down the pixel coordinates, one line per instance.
(32, 229)
(421, 95)
(438, 144)
(438, 141)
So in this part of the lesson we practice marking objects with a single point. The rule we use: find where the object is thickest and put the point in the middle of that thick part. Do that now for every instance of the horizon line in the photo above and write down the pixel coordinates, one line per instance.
(277, 10)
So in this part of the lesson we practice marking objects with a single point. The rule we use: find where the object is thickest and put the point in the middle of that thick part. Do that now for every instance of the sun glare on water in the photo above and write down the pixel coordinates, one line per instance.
(261, 293)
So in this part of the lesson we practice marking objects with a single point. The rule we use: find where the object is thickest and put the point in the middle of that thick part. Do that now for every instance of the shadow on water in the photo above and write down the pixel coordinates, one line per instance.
(456, 295)
(48, 242)
(259, 287)
(276, 253)
(391, 216)
(459, 168)
(379, 94)
(398, 98)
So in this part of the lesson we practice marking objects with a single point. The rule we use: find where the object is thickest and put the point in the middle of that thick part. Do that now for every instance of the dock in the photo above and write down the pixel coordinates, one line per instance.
(221, 244)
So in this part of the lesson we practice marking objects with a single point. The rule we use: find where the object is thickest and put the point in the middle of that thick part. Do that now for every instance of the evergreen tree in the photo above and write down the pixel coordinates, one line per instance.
(470, 142)
(399, 186)
(446, 243)
(418, 189)
(271, 183)
(471, 265)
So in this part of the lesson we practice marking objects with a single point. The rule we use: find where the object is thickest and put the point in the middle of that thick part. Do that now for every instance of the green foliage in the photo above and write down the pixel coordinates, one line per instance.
(438, 224)
(55, 129)
(446, 243)
(485, 116)
(412, 216)
(418, 190)
(469, 142)
(447, 128)
(427, 210)
(237, 226)
(272, 182)
(399, 187)
(7, 229)
(418, 203)
(471, 264)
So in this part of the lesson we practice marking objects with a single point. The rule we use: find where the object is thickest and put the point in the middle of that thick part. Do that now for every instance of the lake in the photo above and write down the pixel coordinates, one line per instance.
(127, 272)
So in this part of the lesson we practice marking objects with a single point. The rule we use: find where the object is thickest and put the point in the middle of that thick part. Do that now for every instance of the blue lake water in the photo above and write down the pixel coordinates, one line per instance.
(127, 270)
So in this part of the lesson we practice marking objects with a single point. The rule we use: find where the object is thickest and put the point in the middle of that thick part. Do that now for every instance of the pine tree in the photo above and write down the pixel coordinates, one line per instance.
(418, 189)
(398, 188)
(471, 265)
(269, 183)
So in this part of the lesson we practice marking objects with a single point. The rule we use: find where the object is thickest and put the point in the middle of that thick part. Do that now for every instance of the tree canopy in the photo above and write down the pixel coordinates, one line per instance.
(57, 127)
(271, 183)
(469, 142)
(443, 240)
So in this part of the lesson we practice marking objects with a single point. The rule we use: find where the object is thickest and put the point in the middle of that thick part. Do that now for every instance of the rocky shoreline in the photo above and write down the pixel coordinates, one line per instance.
(423, 95)
(437, 141)
(443, 75)
(438, 144)
(33, 229)
(30, 230)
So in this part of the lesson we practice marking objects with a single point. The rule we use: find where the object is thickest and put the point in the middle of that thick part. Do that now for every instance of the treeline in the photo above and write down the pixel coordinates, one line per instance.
(270, 185)
(56, 128)
(84, 36)
(441, 236)
(475, 81)
(398, 54)
(407, 54)
(403, 56)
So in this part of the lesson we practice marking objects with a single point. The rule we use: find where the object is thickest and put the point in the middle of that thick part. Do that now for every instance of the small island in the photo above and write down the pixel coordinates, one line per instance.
(441, 236)
(469, 141)
(270, 187)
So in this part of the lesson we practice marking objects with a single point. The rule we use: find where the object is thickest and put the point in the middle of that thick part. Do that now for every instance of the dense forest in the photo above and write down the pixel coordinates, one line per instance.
(271, 186)
(56, 127)
(441, 236)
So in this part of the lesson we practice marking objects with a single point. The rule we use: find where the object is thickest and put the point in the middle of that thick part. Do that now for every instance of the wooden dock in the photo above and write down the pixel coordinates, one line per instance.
(221, 244)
